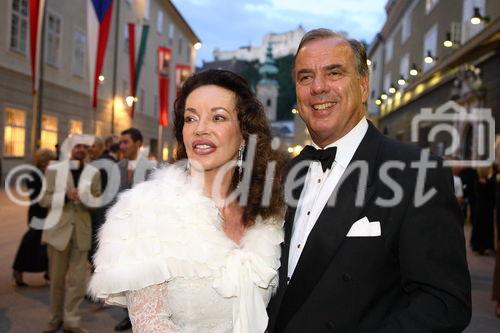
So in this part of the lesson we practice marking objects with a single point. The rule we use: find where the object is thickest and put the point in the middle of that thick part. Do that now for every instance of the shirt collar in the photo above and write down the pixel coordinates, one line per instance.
(347, 145)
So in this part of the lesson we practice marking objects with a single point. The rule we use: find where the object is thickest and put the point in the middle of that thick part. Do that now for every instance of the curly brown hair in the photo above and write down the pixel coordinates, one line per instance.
(252, 121)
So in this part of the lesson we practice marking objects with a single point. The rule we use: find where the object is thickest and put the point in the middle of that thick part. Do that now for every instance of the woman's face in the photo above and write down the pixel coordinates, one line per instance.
(211, 131)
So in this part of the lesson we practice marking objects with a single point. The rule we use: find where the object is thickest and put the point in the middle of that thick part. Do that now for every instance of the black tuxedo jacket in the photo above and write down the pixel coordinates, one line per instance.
(411, 278)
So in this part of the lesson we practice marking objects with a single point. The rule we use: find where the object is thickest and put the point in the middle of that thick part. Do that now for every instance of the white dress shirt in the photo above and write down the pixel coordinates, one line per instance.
(318, 188)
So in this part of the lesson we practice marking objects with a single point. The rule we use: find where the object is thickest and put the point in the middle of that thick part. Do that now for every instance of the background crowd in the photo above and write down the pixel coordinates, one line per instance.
(64, 253)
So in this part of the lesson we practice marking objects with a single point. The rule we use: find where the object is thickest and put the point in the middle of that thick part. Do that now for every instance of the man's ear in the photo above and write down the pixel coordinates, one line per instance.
(365, 87)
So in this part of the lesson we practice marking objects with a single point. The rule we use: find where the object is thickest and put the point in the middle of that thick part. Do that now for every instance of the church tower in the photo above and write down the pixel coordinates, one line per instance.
(268, 87)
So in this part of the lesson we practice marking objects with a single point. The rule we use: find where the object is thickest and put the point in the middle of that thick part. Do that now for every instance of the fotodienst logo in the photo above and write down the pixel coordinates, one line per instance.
(464, 137)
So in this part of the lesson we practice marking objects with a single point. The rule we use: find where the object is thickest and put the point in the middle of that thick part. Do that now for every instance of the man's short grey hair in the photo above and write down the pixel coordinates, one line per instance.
(357, 48)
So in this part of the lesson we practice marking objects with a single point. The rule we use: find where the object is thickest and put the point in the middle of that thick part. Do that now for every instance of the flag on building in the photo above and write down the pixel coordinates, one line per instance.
(98, 24)
(164, 60)
(36, 11)
(135, 67)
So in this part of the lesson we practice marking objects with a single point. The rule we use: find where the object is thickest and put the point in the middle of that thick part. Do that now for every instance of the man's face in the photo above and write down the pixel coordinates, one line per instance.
(330, 92)
(129, 147)
(79, 152)
(95, 150)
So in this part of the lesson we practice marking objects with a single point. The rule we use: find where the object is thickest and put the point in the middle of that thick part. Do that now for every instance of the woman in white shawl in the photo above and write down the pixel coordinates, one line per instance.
(197, 247)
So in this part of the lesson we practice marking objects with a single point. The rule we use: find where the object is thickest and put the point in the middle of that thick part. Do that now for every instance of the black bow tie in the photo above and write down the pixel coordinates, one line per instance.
(325, 156)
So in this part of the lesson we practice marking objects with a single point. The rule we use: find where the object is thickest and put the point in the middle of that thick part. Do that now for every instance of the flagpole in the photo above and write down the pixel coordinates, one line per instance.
(160, 143)
(33, 141)
(115, 65)
(38, 98)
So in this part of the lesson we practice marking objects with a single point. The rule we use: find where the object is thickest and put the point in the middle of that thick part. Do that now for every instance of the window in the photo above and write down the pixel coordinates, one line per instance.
(99, 128)
(159, 22)
(430, 45)
(14, 133)
(49, 132)
(75, 127)
(188, 53)
(179, 47)
(165, 151)
(53, 39)
(125, 38)
(19, 26)
(404, 66)
(429, 5)
(469, 30)
(171, 29)
(78, 53)
(146, 8)
(406, 27)
(389, 49)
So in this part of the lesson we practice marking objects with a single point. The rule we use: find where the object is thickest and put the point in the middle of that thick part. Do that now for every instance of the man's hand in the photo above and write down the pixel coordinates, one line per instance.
(73, 195)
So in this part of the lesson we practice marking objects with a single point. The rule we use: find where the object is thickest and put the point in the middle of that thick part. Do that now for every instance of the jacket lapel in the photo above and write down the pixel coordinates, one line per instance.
(330, 229)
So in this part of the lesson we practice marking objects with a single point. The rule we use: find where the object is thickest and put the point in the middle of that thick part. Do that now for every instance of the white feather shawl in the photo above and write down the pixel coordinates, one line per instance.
(166, 228)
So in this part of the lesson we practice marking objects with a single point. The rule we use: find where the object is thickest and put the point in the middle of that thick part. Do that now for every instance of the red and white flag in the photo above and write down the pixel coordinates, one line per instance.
(99, 14)
(164, 60)
(36, 10)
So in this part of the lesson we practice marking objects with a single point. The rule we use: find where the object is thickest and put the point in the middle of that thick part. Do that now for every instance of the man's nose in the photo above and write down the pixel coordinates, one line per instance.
(319, 85)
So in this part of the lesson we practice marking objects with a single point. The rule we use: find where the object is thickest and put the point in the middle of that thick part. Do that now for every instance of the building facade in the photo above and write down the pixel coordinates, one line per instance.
(442, 55)
(65, 99)
(283, 44)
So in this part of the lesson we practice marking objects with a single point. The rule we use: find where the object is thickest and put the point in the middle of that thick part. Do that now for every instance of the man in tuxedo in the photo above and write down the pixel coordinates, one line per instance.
(130, 144)
(373, 232)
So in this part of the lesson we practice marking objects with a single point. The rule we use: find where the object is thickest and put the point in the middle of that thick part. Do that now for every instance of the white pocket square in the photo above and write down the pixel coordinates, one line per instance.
(364, 228)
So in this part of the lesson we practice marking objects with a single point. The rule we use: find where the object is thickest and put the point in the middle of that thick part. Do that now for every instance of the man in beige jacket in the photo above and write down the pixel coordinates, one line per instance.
(68, 240)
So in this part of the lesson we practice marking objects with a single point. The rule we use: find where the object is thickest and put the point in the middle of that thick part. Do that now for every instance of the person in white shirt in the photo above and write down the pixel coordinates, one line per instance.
(361, 254)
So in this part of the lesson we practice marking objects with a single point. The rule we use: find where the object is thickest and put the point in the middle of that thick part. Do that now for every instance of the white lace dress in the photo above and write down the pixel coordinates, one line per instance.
(163, 254)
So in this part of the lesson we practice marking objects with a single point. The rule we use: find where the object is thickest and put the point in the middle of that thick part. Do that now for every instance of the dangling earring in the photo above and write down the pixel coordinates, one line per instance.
(239, 161)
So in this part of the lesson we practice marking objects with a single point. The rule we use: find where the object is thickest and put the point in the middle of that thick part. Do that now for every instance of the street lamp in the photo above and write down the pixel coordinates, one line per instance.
(392, 89)
(130, 100)
(414, 70)
(197, 45)
(383, 96)
(429, 59)
(101, 78)
(378, 101)
(448, 42)
(401, 80)
(477, 17)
